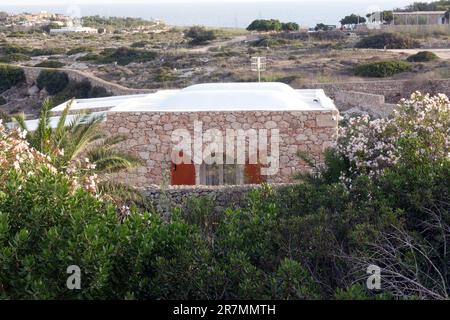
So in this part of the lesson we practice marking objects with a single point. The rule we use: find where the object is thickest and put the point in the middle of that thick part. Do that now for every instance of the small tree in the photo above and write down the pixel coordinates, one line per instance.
(199, 35)
(353, 19)
(321, 27)
(290, 26)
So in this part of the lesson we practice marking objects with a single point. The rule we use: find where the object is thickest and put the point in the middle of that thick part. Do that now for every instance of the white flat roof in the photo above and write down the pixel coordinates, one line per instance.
(250, 96)
(230, 97)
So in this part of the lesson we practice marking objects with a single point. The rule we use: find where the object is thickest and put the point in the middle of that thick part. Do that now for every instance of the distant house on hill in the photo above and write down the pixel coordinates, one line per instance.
(73, 30)
(420, 18)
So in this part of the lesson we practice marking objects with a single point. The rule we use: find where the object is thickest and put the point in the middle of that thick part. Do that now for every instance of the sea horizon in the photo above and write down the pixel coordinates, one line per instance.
(221, 13)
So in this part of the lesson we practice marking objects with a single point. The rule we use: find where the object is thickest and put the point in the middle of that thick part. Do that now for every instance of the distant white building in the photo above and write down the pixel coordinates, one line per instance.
(74, 30)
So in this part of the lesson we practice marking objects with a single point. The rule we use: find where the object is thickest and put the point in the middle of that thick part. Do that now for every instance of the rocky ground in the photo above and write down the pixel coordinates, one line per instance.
(178, 64)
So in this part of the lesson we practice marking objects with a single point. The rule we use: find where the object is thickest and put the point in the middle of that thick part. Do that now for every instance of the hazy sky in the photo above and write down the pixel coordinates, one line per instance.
(81, 2)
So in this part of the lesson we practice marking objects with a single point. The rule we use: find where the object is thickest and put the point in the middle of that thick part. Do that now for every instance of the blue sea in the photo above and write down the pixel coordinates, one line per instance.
(218, 13)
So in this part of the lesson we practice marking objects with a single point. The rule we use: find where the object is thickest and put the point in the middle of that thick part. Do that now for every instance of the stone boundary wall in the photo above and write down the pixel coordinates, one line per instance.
(32, 73)
(392, 90)
(166, 199)
(373, 104)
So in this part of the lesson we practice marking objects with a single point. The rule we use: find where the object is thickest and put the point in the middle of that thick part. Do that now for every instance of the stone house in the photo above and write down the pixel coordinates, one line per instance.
(218, 133)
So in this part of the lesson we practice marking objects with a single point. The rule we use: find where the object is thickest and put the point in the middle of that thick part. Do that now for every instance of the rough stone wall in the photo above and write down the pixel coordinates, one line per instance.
(32, 73)
(373, 104)
(149, 137)
(392, 90)
(165, 200)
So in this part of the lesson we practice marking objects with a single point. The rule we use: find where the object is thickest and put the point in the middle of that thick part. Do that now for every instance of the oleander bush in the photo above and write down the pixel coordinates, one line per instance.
(382, 69)
(423, 56)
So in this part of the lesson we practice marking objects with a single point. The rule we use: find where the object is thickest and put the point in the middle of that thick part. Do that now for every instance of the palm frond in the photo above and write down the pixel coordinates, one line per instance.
(108, 160)
(20, 120)
(61, 128)
(118, 192)
(43, 132)
(84, 131)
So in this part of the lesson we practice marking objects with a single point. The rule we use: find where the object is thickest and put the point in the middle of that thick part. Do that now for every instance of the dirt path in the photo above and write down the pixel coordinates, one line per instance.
(441, 53)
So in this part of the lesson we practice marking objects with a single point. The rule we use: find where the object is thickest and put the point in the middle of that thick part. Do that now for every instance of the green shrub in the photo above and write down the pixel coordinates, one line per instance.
(382, 69)
(423, 56)
(50, 64)
(199, 35)
(77, 50)
(47, 51)
(2, 101)
(10, 76)
(164, 74)
(265, 25)
(53, 81)
(124, 56)
(388, 41)
(14, 57)
(80, 90)
(140, 44)
(13, 48)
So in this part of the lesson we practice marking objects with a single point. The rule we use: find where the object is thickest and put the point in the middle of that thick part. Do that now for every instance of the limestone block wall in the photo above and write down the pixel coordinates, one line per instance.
(150, 137)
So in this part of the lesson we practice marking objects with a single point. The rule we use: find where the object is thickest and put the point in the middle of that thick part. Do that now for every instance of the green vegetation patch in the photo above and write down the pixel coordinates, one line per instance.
(423, 56)
(14, 57)
(124, 56)
(77, 50)
(53, 81)
(50, 64)
(10, 76)
(80, 90)
(382, 69)
(388, 41)
(199, 35)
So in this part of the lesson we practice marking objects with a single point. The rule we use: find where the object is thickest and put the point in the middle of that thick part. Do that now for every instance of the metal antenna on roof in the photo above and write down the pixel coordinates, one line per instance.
(258, 64)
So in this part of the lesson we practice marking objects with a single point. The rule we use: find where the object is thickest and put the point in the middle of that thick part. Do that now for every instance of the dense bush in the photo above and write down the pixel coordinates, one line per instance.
(422, 56)
(382, 69)
(265, 25)
(14, 57)
(53, 81)
(199, 35)
(80, 90)
(10, 76)
(388, 41)
(50, 64)
(47, 51)
(268, 42)
(2, 101)
(124, 56)
(77, 50)
(140, 44)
